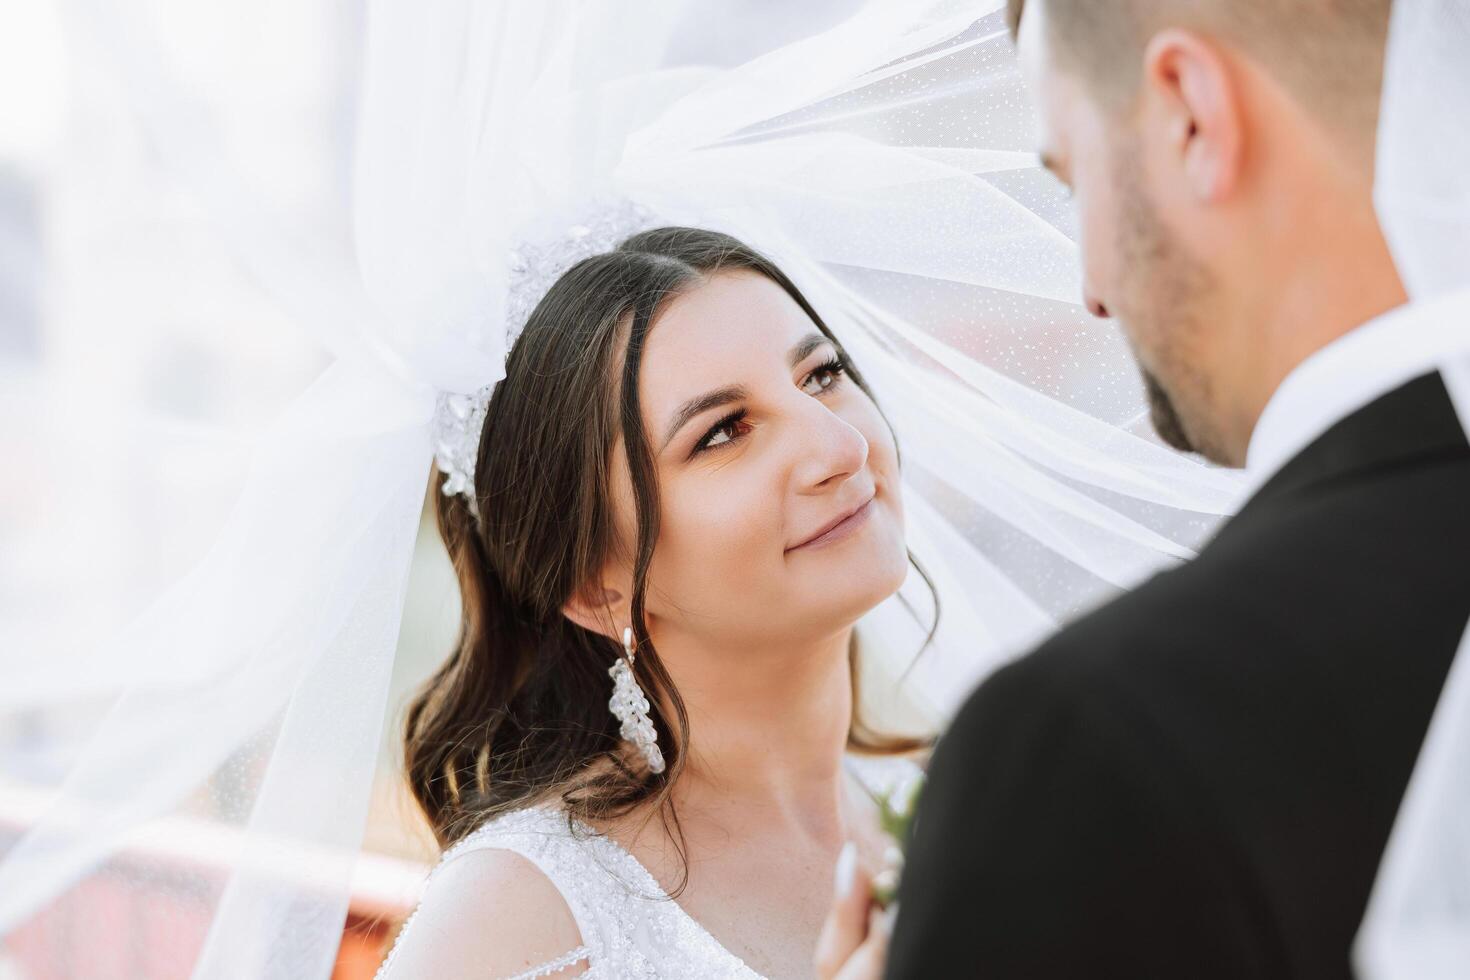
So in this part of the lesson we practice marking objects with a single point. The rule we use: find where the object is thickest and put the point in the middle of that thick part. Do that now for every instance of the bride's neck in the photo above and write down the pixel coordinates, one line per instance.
(768, 730)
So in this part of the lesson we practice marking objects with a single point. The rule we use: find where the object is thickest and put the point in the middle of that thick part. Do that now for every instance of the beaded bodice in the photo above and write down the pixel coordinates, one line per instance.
(630, 928)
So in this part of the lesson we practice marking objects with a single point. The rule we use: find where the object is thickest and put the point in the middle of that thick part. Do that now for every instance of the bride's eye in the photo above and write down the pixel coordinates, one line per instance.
(825, 377)
(723, 432)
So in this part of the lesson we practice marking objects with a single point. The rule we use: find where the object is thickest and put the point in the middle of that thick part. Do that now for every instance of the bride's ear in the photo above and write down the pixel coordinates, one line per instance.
(599, 608)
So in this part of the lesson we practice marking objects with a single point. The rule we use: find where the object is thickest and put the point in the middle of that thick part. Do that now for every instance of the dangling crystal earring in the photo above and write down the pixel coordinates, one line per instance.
(630, 706)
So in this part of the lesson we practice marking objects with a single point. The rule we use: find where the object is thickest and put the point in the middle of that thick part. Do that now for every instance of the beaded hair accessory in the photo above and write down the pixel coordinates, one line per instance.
(534, 268)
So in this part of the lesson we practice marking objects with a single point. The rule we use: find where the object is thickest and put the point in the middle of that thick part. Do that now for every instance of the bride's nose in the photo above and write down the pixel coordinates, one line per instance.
(830, 450)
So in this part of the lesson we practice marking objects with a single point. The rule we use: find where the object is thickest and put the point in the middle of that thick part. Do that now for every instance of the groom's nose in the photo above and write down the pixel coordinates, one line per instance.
(1095, 306)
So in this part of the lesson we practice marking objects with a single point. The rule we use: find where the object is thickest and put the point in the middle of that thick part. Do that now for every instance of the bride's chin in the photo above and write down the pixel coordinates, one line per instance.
(887, 574)
(890, 561)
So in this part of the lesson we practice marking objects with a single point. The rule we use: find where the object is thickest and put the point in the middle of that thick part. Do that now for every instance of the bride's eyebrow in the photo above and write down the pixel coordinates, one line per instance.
(806, 345)
(734, 393)
(698, 405)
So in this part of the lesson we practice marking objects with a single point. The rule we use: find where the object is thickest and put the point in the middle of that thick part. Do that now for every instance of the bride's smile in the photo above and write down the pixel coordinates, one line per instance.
(840, 529)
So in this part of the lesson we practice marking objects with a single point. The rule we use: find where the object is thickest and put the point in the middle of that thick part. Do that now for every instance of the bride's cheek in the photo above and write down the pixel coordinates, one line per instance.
(716, 529)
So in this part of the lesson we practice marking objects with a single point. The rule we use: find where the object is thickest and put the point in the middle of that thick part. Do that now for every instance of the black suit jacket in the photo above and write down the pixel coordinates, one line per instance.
(1199, 779)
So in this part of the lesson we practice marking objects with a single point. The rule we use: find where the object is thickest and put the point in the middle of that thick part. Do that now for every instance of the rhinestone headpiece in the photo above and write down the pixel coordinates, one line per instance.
(534, 268)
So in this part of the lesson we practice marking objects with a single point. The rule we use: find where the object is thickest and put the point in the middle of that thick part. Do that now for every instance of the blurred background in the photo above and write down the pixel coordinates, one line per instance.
(121, 290)
(116, 288)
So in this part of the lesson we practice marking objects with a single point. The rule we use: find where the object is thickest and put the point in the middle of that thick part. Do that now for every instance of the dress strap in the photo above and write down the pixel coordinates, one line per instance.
(546, 969)
(544, 837)
(629, 925)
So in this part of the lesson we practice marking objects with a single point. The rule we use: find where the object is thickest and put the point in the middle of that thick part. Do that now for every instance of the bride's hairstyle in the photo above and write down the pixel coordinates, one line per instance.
(519, 712)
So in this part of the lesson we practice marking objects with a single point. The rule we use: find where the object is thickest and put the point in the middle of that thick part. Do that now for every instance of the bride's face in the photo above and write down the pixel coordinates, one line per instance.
(780, 510)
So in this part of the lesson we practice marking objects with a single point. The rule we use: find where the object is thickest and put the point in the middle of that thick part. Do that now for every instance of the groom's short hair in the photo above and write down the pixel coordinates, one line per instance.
(1329, 53)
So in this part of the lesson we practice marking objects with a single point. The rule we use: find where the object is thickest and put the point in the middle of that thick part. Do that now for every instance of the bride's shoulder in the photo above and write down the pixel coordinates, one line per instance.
(490, 909)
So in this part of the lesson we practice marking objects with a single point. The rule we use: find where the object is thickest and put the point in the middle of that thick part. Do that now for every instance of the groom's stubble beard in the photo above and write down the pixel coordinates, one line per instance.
(1164, 292)
(1163, 415)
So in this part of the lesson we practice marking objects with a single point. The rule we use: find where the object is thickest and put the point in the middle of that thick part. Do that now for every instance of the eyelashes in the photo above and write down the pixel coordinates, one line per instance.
(834, 366)
(724, 427)
(726, 431)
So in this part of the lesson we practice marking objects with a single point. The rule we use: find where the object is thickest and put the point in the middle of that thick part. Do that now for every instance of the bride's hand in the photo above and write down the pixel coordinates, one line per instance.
(854, 940)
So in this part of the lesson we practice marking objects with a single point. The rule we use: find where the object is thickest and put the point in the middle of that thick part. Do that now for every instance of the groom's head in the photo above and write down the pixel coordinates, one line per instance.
(1221, 155)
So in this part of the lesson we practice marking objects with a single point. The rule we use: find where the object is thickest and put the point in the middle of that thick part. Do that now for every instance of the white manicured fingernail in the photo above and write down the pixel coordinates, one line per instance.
(846, 869)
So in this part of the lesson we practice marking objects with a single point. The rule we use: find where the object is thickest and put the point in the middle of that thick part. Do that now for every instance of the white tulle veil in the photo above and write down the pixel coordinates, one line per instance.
(884, 161)
(1418, 921)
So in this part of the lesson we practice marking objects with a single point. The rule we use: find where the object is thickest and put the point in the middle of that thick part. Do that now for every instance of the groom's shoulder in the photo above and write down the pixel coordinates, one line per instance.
(1173, 624)
(1177, 623)
(1316, 595)
(1376, 551)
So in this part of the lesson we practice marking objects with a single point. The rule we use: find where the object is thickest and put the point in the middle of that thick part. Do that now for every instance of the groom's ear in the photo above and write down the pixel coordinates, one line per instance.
(1193, 105)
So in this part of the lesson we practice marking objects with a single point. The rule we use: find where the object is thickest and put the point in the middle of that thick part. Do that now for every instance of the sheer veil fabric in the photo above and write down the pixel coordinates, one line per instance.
(885, 161)
(1418, 920)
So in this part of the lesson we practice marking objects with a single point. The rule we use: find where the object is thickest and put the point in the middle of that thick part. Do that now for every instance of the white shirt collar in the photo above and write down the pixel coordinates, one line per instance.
(1352, 372)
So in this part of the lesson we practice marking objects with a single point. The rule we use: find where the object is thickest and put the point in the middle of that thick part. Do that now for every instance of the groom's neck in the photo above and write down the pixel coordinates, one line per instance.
(1312, 267)
(1331, 292)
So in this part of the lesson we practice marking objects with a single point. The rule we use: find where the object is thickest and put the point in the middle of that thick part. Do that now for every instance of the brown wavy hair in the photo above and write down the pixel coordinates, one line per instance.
(518, 714)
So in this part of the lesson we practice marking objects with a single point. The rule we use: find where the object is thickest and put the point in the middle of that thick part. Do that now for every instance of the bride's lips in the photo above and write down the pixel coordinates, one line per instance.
(845, 525)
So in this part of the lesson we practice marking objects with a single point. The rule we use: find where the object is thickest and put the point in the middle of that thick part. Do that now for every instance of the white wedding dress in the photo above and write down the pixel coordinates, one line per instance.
(630, 927)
